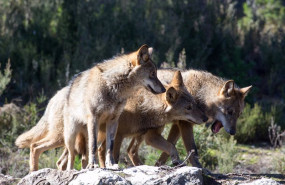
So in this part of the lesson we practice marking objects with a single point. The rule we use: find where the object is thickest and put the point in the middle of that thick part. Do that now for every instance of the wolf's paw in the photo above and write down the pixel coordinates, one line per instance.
(178, 162)
(113, 167)
(92, 166)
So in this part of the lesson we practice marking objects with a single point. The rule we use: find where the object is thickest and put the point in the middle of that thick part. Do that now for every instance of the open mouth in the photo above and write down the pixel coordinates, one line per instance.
(189, 120)
(151, 90)
(216, 126)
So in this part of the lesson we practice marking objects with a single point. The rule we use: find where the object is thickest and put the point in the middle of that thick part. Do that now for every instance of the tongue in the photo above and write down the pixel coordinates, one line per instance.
(217, 126)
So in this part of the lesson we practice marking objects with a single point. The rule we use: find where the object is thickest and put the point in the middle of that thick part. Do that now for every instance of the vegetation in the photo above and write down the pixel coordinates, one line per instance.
(5, 77)
(47, 42)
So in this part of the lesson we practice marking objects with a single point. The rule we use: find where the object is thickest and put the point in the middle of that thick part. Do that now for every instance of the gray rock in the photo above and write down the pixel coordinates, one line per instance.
(7, 180)
(135, 175)
(262, 181)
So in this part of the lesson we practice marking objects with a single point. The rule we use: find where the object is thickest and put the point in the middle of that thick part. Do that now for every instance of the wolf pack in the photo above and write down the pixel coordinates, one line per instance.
(127, 97)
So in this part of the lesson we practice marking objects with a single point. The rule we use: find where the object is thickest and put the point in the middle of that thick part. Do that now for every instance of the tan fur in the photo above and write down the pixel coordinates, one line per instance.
(104, 87)
(144, 112)
(222, 101)
(47, 133)
(97, 96)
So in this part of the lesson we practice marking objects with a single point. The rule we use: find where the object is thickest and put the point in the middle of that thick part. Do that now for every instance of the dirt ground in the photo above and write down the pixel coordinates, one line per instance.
(260, 159)
(253, 162)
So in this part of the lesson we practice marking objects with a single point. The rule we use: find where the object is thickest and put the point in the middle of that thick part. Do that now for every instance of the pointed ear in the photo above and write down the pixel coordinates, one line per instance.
(171, 95)
(177, 79)
(150, 50)
(143, 54)
(228, 89)
(245, 90)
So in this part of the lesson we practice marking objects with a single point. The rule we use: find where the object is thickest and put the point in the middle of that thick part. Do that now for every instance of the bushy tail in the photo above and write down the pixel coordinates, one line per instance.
(25, 139)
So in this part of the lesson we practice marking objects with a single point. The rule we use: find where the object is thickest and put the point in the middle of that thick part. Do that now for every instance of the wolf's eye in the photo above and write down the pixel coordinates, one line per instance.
(189, 108)
(152, 74)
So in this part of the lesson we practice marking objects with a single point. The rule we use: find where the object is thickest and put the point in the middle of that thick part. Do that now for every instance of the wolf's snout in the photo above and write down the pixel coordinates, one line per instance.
(205, 118)
(162, 89)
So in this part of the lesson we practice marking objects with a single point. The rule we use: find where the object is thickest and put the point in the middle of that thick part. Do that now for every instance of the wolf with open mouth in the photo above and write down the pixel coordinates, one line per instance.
(222, 100)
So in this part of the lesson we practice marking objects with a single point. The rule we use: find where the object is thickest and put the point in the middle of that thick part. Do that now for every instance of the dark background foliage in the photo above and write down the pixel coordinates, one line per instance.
(50, 41)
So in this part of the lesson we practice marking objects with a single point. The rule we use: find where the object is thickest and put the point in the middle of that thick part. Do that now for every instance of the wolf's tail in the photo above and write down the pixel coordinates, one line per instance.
(25, 139)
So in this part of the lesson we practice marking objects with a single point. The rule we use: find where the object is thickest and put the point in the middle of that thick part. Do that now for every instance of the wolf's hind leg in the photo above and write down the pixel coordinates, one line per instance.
(40, 146)
(133, 150)
(62, 161)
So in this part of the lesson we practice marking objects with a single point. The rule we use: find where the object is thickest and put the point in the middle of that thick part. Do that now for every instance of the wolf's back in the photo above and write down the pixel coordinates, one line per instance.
(34, 134)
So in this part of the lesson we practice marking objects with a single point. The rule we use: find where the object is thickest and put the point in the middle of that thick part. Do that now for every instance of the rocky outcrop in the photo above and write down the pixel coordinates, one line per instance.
(7, 180)
(147, 175)
(135, 175)
(262, 181)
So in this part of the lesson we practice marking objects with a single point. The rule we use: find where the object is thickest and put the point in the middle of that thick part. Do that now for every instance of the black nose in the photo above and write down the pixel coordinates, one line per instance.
(232, 132)
(205, 119)
(163, 89)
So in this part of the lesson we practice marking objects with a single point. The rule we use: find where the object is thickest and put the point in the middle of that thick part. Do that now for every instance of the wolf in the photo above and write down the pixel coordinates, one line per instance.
(143, 113)
(95, 96)
(48, 132)
(44, 135)
(222, 100)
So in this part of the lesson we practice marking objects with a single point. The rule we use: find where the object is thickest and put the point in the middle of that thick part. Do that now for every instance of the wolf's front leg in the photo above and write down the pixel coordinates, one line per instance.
(111, 130)
(186, 130)
(153, 137)
(92, 128)
(173, 136)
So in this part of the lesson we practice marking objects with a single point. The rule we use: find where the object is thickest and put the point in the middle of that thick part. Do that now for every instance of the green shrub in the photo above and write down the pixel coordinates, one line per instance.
(5, 77)
(216, 151)
(226, 154)
(253, 124)
(279, 162)
(206, 146)
(15, 120)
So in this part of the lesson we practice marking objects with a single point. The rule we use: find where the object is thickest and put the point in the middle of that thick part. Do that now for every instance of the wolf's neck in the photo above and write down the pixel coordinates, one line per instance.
(118, 77)
(204, 86)
(155, 108)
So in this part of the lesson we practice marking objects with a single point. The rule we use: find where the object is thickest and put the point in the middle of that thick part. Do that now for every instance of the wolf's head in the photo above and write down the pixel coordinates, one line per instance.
(181, 105)
(145, 70)
(230, 104)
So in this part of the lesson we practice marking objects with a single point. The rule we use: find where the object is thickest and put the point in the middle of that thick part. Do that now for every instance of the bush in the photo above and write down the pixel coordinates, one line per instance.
(14, 120)
(253, 124)
(279, 163)
(216, 152)
(5, 77)
(226, 154)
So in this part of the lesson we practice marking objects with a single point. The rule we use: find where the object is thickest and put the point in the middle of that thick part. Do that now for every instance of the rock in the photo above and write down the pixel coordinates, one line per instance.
(262, 181)
(135, 175)
(7, 180)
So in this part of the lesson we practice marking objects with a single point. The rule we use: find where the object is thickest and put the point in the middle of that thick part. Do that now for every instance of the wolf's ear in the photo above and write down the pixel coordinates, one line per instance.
(143, 54)
(150, 50)
(177, 79)
(228, 89)
(245, 90)
(171, 95)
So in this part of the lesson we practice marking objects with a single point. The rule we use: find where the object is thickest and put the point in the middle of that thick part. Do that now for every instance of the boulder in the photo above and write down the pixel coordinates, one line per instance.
(7, 179)
(135, 175)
